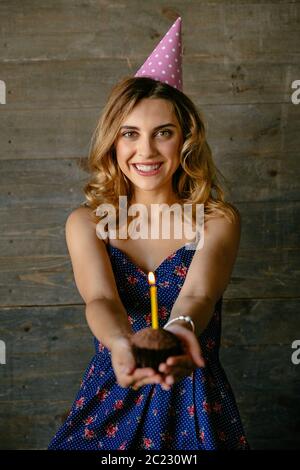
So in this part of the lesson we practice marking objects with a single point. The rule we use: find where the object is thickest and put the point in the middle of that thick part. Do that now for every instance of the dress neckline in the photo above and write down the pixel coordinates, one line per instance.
(159, 267)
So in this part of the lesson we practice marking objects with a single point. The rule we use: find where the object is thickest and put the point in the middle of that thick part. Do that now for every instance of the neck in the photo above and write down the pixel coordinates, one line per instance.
(154, 197)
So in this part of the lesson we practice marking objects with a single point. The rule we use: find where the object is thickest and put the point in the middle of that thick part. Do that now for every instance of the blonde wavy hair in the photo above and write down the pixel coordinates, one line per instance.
(195, 179)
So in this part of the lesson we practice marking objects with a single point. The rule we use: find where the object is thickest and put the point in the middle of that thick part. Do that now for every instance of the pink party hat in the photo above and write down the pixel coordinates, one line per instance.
(164, 63)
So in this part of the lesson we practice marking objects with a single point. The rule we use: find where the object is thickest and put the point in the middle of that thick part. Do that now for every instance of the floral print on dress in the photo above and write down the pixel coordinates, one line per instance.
(180, 270)
(111, 430)
(163, 312)
(198, 413)
(148, 443)
(89, 434)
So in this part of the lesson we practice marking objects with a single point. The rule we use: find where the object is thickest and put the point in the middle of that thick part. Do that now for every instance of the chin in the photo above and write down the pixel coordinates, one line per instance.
(147, 187)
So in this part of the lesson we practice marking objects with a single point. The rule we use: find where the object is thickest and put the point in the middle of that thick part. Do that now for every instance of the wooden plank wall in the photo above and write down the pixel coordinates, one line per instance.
(59, 60)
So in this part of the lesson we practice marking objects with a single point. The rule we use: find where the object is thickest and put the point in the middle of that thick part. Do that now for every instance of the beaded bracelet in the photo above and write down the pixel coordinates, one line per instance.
(185, 318)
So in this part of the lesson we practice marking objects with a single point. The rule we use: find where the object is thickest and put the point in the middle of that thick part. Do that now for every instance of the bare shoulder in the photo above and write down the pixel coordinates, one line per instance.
(83, 217)
(90, 261)
(82, 214)
(222, 228)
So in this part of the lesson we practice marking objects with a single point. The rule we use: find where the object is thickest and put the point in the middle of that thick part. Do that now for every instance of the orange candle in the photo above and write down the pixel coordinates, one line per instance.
(153, 297)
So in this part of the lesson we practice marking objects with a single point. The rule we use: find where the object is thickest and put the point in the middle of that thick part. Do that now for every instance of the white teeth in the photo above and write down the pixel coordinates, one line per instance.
(147, 167)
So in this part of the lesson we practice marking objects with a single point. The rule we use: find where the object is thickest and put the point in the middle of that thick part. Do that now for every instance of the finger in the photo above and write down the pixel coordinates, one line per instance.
(180, 361)
(195, 350)
(184, 362)
(127, 369)
(162, 367)
(142, 373)
(191, 344)
(176, 376)
(179, 372)
(125, 381)
(156, 379)
(138, 375)
(170, 379)
(165, 386)
(198, 358)
(127, 363)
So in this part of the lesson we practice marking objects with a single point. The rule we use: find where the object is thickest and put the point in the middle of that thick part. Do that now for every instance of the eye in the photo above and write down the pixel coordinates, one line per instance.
(166, 130)
(128, 132)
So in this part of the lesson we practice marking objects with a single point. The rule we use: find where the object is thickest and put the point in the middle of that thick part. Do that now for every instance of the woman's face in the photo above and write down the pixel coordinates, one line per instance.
(148, 145)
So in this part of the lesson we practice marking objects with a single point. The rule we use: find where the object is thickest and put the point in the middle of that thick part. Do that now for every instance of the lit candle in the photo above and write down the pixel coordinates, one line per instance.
(153, 297)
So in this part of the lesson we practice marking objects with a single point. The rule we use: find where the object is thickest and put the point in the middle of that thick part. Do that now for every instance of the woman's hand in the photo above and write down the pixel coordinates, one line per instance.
(177, 367)
(127, 374)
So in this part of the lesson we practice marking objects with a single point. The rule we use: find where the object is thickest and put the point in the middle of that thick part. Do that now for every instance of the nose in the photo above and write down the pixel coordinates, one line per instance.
(145, 147)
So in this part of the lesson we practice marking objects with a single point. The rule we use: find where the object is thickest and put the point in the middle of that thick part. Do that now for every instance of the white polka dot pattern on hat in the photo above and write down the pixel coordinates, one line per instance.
(166, 57)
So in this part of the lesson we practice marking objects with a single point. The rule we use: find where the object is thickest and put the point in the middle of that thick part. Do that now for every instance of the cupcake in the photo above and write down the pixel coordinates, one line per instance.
(152, 346)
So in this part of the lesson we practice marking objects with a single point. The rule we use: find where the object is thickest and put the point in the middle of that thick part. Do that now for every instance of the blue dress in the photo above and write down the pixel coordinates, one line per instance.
(199, 412)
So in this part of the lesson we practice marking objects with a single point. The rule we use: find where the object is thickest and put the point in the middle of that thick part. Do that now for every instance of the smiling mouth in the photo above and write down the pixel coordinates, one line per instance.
(147, 168)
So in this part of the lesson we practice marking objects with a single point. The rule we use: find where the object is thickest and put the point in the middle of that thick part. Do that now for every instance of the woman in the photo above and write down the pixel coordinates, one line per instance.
(150, 146)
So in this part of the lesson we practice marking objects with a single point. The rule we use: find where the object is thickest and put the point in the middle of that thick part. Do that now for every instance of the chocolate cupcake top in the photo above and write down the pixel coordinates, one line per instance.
(150, 338)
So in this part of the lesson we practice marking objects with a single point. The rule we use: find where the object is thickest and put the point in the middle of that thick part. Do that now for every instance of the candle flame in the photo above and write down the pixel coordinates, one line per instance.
(151, 278)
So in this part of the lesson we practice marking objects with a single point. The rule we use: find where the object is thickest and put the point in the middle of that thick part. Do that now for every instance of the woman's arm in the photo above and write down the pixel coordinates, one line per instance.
(209, 272)
(94, 278)
(112, 324)
(199, 309)
(105, 313)
(206, 280)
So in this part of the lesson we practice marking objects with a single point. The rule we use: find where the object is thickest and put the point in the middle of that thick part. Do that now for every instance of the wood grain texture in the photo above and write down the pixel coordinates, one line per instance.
(263, 31)
(59, 60)
(86, 83)
(237, 130)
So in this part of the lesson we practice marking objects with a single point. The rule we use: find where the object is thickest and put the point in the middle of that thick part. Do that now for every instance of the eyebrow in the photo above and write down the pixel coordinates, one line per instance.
(157, 127)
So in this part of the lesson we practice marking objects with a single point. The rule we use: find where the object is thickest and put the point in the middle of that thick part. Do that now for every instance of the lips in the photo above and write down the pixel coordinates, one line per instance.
(147, 169)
